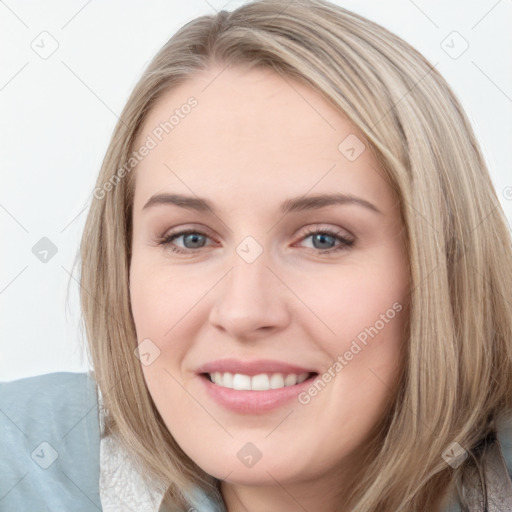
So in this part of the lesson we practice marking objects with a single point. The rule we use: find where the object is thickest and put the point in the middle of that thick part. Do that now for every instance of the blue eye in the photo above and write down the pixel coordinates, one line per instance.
(194, 239)
(329, 237)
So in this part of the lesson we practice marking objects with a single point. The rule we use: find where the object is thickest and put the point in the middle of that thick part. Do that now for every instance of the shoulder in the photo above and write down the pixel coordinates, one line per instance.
(50, 385)
(504, 434)
(49, 448)
(498, 473)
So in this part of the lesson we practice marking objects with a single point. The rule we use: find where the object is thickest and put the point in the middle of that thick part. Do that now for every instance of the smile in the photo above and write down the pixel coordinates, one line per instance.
(261, 382)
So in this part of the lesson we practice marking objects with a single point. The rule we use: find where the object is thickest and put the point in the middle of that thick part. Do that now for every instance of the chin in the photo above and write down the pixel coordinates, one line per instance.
(263, 472)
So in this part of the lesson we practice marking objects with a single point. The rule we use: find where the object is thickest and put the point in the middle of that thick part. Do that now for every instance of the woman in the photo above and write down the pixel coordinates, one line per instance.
(241, 363)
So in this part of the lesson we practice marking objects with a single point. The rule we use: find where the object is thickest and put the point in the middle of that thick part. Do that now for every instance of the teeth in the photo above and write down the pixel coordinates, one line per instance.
(302, 377)
(241, 382)
(290, 380)
(262, 382)
(227, 380)
(277, 381)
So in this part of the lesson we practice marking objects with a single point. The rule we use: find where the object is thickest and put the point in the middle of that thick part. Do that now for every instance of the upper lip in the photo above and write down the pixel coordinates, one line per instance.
(252, 368)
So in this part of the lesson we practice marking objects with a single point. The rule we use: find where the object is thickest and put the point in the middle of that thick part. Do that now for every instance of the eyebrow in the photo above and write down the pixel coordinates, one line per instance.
(295, 204)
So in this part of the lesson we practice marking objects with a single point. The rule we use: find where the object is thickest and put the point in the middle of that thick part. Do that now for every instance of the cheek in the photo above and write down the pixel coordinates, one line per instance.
(161, 307)
(160, 298)
(355, 304)
(167, 311)
(156, 308)
(366, 314)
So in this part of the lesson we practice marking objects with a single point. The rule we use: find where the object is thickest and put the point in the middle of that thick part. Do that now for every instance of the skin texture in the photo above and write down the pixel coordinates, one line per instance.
(254, 140)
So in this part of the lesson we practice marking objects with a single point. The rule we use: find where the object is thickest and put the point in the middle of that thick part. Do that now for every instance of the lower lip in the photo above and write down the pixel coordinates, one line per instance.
(254, 402)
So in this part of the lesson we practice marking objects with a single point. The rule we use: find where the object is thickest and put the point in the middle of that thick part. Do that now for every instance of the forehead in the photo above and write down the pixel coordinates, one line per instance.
(252, 132)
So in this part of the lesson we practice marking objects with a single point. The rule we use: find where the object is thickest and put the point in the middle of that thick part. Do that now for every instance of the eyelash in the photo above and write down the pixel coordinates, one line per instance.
(346, 243)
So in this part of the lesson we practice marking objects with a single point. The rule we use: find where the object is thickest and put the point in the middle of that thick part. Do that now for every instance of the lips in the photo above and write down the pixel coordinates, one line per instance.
(231, 383)
(252, 368)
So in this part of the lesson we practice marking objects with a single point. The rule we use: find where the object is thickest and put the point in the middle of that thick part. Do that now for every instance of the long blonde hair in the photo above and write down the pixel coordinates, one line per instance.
(457, 379)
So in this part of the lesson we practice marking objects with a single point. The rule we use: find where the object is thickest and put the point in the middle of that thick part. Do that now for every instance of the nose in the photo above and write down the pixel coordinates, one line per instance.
(251, 301)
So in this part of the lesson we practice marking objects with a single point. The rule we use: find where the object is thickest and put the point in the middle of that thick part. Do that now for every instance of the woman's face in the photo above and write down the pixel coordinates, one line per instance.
(295, 270)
